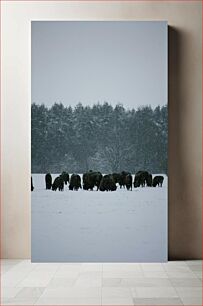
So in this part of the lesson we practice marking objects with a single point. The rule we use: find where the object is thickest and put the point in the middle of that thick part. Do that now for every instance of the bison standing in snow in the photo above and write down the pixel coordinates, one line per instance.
(107, 183)
(48, 181)
(116, 177)
(142, 178)
(75, 182)
(91, 179)
(158, 181)
(122, 180)
(128, 181)
(58, 184)
(32, 187)
(65, 177)
(149, 180)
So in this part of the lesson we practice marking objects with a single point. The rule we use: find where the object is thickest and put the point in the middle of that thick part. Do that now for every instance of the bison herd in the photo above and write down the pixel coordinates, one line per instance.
(108, 182)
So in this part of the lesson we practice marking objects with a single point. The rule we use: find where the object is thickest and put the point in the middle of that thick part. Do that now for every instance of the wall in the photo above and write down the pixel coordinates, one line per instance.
(185, 69)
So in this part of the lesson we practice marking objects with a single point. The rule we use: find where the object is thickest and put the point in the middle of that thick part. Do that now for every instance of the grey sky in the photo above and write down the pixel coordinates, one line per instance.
(89, 62)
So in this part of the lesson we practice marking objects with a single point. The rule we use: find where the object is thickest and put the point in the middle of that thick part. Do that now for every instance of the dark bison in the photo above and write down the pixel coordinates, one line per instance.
(128, 181)
(65, 177)
(32, 187)
(142, 178)
(122, 180)
(107, 183)
(149, 180)
(91, 179)
(158, 180)
(48, 181)
(116, 177)
(58, 184)
(75, 182)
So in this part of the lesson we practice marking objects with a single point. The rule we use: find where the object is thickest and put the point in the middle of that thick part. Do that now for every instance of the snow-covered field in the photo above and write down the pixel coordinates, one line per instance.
(94, 226)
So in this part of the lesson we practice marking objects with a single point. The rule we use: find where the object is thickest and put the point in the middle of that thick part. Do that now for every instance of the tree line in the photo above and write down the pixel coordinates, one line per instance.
(99, 137)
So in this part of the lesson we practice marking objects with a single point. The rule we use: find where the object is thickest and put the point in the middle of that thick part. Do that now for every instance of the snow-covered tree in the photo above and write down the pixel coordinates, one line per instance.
(101, 137)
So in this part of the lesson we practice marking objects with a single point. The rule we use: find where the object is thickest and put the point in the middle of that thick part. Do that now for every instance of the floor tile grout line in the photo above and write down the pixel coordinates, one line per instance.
(13, 267)
(187, 304)
(102, 282)
(128, 286)
(27, 276)
(47, 285)
(175, 290)
(10, 267)
(16, 286)
(132, 294)
(55, 274)
(192, 272)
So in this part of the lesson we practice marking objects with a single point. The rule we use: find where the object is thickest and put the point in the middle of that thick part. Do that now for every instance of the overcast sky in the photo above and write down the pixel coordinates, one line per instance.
(89, 62)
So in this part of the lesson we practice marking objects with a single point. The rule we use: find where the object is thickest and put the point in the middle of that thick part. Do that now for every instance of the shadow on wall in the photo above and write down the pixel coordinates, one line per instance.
(183, 212)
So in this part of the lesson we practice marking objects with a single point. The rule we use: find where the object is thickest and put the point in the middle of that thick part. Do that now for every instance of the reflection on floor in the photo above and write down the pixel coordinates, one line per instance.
(172, 283)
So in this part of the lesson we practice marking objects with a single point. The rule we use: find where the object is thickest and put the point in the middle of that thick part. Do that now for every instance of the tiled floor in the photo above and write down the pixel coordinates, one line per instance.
(172, 283)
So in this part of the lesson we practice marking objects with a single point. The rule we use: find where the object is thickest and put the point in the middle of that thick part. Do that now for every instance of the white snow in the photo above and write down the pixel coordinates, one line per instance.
(95, 226)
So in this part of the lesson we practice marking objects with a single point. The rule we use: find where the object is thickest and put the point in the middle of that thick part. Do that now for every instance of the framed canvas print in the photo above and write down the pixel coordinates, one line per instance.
(99, 134)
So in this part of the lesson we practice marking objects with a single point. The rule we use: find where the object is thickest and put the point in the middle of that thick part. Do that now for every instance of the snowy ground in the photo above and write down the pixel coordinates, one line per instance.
(94, 226)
